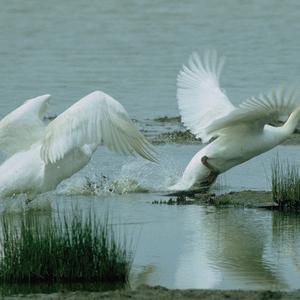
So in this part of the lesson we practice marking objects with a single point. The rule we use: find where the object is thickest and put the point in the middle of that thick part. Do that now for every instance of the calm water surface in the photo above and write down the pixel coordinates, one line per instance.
(133, 51)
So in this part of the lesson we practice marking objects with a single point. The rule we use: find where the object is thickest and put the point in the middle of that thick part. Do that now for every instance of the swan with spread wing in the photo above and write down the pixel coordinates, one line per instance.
(234, 134)
(40, 156)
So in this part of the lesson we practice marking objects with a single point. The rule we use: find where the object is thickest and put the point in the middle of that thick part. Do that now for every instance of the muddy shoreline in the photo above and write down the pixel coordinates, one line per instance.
(158, 292)
(247, 198)
(181, 135)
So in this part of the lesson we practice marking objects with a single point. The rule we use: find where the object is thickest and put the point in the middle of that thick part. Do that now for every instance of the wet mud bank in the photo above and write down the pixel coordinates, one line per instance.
(255, 199)
(185, 136)
(176, 132)
(251, 199)
(147, 292)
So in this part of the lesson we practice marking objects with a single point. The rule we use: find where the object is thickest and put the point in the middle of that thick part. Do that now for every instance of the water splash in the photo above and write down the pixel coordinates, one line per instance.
(135, 176)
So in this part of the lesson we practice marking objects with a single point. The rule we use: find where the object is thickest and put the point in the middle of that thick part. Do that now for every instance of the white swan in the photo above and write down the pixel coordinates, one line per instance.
(234, 134)
(41, 156)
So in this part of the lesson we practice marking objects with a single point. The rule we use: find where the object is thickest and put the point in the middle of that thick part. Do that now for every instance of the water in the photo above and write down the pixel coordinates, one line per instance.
(133, 51)
(187, 246)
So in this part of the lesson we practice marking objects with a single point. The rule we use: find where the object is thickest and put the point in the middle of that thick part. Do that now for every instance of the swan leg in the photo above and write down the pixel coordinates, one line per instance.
(214, 172)
(212, 169)
(204, 184)
(208, 181)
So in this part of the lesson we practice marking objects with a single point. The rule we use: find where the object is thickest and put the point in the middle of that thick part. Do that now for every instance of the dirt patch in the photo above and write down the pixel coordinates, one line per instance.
(157, 292)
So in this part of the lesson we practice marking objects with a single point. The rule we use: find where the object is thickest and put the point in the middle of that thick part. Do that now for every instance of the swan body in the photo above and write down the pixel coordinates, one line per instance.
(233, 134)
(41, 156)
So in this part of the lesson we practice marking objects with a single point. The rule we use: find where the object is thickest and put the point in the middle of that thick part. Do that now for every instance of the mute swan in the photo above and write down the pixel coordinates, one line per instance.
(41, 156)
(234, 133)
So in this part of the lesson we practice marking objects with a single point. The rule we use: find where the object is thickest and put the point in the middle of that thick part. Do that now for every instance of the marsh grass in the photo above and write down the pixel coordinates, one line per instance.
(286, 185)
(64, 250)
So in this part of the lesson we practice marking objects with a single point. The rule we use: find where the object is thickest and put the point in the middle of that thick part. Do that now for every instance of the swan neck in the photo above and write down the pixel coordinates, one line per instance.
(292, 122)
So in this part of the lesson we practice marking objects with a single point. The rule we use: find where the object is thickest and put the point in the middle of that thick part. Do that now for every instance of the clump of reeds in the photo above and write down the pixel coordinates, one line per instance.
(286, 185)
(65, 250)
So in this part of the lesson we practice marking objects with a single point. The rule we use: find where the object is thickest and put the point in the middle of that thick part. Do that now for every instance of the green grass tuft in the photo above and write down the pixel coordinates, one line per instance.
(286, 185)
(64, 250)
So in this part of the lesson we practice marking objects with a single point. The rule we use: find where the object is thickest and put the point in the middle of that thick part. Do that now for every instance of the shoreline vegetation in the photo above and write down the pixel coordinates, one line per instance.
(62, 250)
(286, 185)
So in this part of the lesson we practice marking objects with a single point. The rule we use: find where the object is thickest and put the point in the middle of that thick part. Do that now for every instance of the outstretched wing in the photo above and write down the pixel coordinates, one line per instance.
(200, 98)
(96, 118)
(256, 112)
(24, 126)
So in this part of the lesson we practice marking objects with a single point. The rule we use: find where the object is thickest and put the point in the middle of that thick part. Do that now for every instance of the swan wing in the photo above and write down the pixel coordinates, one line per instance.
(200, 98)
(258, 111)
(24, 126)
(97, 118)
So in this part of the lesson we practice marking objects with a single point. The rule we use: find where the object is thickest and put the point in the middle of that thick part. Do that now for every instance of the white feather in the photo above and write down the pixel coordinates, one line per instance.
(97, 118)
(24, 126)
(44, 156)
(240, 133)
(200, 98)
(258, 111)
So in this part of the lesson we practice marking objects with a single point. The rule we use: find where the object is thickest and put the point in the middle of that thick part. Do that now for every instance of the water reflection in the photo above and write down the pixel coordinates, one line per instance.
(241, 237)
(188, 246)
(199, 247)
(284, 250)
(241, 248)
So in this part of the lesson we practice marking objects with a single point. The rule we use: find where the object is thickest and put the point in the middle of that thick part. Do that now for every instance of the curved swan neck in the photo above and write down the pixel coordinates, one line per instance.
(292, 122)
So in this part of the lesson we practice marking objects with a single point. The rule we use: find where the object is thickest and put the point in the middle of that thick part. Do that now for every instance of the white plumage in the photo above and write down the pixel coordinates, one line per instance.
(234, 134)
(41, 156)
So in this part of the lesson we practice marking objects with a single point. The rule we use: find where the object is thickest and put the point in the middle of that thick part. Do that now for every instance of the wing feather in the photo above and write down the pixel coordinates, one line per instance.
(200, 98)
(95, 119)
(259, 110)
(24, 126)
